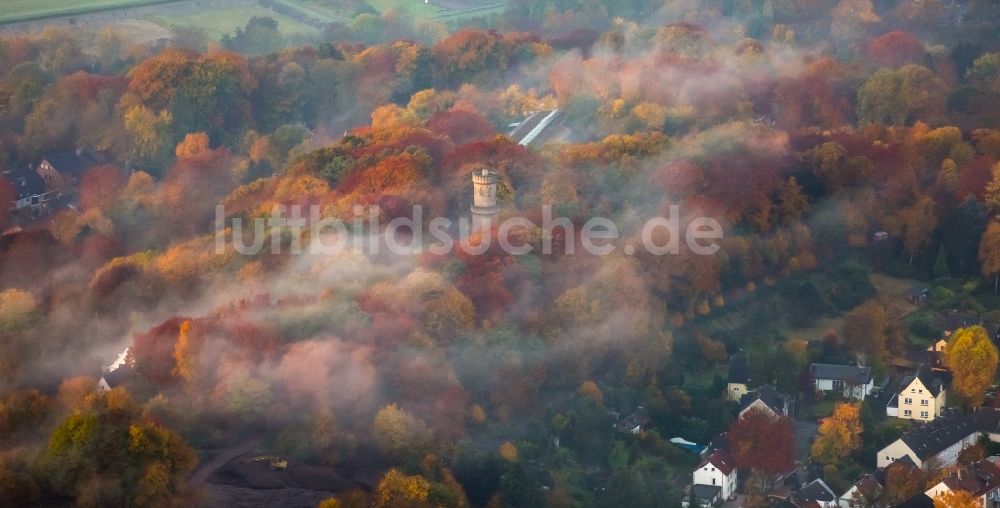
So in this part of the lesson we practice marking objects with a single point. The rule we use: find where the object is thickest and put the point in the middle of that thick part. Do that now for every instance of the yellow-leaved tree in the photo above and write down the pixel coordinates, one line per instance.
(839, 434)
(956, 499)
(398, 489)
(972, 358)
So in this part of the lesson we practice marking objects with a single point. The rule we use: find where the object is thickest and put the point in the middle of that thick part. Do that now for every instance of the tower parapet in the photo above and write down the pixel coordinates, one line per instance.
(484, 187)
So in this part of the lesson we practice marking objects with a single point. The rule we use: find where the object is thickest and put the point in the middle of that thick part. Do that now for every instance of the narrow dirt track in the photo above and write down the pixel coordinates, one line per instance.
(205, 470)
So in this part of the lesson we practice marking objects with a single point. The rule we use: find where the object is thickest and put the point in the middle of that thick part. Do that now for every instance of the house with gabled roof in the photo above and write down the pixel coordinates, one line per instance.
(633, 423)
(938, 442)
(867, 485)
(981, 479)
(921, 396)
(816, 493)
(63, 170)
(29, 188)
(955, 319)
(715, 477)
(853, 381)
(116, 374)
(767, 399)
(871, 487)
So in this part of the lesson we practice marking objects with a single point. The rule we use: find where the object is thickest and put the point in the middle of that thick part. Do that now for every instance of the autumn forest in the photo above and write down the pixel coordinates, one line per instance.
(849, 149)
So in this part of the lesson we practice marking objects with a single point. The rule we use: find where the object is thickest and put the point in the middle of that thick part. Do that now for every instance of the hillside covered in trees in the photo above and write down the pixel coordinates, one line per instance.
(835, 141)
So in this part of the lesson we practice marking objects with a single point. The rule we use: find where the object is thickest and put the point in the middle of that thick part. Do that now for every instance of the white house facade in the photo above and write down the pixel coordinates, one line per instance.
(851, 381)
(717, 470)
(939, 441)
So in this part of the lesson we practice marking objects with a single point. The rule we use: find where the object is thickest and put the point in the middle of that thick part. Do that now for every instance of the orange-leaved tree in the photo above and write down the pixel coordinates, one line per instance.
(839, 434)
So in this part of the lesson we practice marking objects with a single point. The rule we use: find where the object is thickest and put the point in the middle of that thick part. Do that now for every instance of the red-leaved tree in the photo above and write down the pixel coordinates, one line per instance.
(762, 443)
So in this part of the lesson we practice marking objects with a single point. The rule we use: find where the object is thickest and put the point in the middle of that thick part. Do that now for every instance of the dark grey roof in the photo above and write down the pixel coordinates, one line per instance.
(817, 490)
(933, 384)
(26, 183)
(987, 420)
(930, 439)
(70, 163)
(906, 461)
(706, 492)
(739, 368)
(719, 443)
(768, 395)
(933, 359)
(954, 320)
(637, 419)
(848, 373)
(920, 500)
(118, 376)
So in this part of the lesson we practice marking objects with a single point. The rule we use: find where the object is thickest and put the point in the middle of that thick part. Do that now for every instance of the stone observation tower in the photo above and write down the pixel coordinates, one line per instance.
(484, 194)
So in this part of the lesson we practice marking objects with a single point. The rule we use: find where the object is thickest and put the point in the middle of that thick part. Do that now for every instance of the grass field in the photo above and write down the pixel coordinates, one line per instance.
(22, 10)
(444, 11)
(221, 21)
(218, 22)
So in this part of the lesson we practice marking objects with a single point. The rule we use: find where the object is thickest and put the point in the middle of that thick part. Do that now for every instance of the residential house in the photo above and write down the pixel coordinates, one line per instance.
(63, 170)
(706, 495)
(939, 442)
(953, 320)
(766, 399)
(981, 479)
(938, 346)
(921, 397)
(816, 494)
(29, 188)
(932, 358)
(116, 374)
(633, 423)
(738, 384)
(852, 381)
(717, 472)
(115, 378)
(868, 485)
(871, 486)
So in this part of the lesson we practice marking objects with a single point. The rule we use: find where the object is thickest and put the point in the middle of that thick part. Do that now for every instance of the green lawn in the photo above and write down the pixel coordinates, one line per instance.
(316, 11)
(820, 409)
(406, 8)
(485, 10)
(218, 22)
(22, 10)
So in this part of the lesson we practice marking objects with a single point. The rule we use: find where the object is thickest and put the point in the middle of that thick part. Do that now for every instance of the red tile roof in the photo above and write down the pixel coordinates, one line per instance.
(721, 461)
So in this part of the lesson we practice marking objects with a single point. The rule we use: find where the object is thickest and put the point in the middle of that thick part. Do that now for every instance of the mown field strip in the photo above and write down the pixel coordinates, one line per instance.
(28, 10)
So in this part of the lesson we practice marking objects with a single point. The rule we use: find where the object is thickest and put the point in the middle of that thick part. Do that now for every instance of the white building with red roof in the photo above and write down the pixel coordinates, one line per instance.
(717, 471)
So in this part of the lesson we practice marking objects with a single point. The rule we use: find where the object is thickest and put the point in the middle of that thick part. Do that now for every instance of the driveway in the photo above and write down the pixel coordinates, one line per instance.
(736, 503)
(805, 432)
